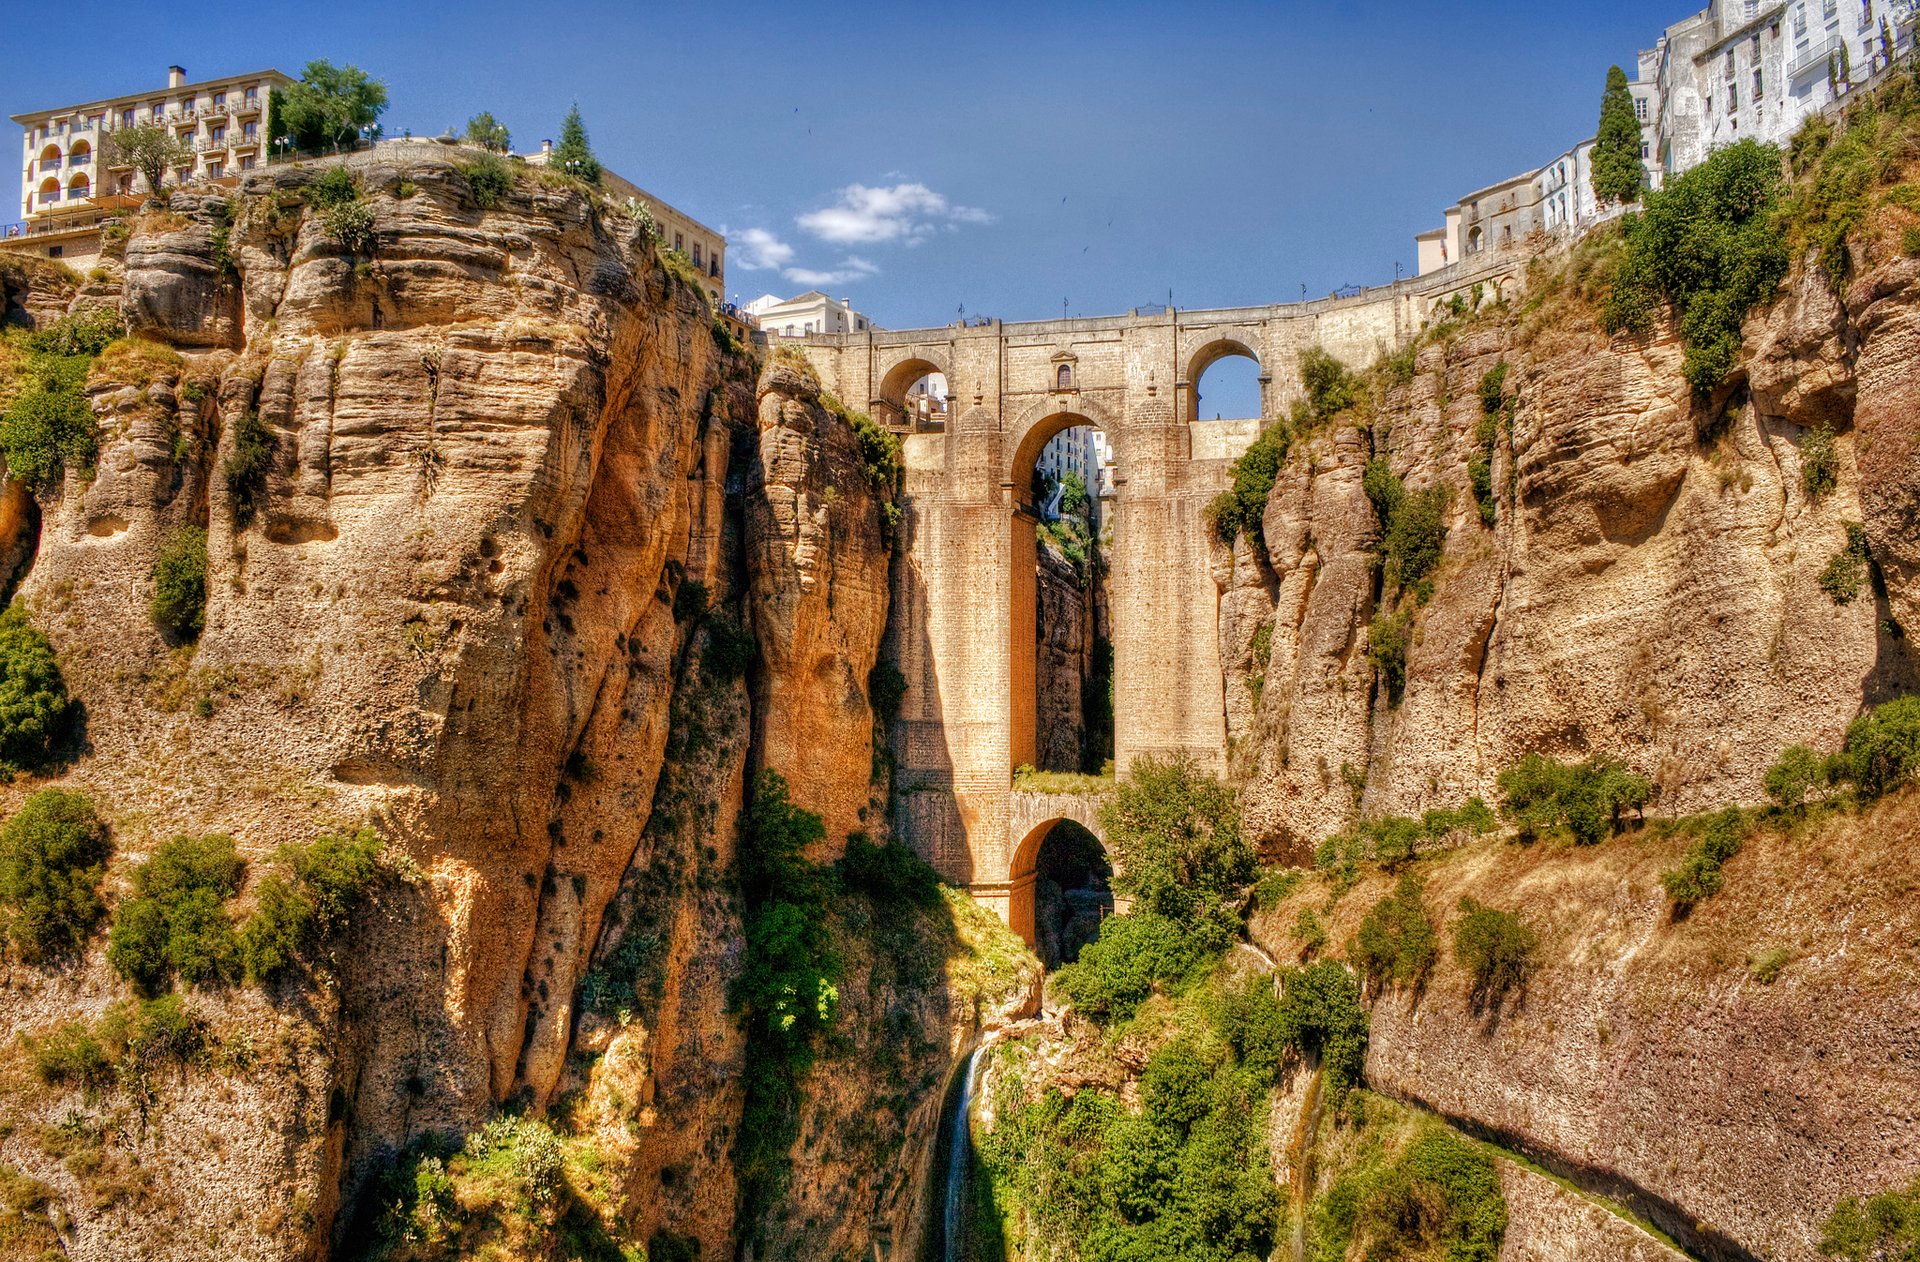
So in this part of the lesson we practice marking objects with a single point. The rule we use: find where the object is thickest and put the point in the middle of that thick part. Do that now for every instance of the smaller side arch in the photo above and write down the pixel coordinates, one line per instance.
(1024, 870)
(1206, 356)
(889, 404)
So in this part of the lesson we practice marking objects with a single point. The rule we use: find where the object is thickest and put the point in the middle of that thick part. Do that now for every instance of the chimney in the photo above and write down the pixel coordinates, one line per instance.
(176, 76)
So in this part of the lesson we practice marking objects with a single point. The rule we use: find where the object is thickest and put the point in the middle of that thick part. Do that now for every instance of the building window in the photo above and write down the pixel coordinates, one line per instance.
(214, 170)
(250, 131)
(219, 135)
(1729, 63)
(696, 255)
(55, 251)
(127, 116)
(253, 96)
(1756, 83)
(679, 241)
(1733, 98)
(219, 100)
(1063, 377)
(1640, 109)
(246, 163)
(1643, 151)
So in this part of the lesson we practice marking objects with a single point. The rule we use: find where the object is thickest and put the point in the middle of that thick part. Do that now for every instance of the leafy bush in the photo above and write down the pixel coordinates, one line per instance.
(1275, 886)
(349, 223)
(1243, 509)
(1439, 1198)
(730, 649)
(1882, 1228)
(1847, 571)
(1331, 389)
(1819, 462)
(1120, 970)
(246, 467)
(52, 856)
(1709, 245)
(889, 874)
(1396, 942)
(1321, 1016)
(788, 985)
(690, 600)
(177, 924)
(489, 179)
(48, 426)
(33, 695)
(1719, 838)
(1765, 965)
(1412, 527)
(279, 931)
(1495, 947)
(1388, 637)
(334, 186)
(126, 1045)
(1796, 773)
(1177, 846)
(1309, 931)
(180, 584)
(1541, 795)
(1882, 749)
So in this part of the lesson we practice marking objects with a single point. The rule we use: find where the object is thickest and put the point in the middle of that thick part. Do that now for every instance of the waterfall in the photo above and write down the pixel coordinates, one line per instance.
(960, 1159)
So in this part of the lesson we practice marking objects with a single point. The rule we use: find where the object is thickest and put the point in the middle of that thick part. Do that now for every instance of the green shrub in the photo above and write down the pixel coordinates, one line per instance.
(86, 332)
(1708, 244)
(1819, 462)
(180, 584)
(1309, 931)
(349, 223)
(1718, 838)
(336, 870)
(1882, 1228)
(1388, 637)
(729, 651)
(1178, 851)
(1765, 965)
(73, 1055)
(1795, 774)
(126, 1045)
(1847, 572)
(334, 186)
(1395, 945)
(278, 933)
(890, 874)
(33, 695)
(489, 179)
(1134, 955)
(1412, 527)
(1495, 947)
(1882, 749)
(1480, 478)
(246, 467)
(177, 924)
(1910, 242)
(52, 856)
(48, 428)
(1473, 817)
(1541, 795)
(788, 986)
(1243, 509)
(1440, 1198)
(1275, 886)
(1321, 1016)
(690, 600)
(1331, 389)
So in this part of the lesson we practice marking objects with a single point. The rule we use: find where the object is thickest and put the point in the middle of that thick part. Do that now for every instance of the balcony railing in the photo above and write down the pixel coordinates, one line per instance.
(49, 164)
(1815, 58)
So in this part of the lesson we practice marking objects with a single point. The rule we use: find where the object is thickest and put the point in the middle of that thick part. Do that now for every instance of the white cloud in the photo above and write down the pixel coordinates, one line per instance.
(850, 269)
(757, 250)
(908, 213)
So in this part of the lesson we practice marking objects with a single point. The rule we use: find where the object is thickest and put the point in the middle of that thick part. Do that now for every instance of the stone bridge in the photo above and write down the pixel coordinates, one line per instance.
(964, 583)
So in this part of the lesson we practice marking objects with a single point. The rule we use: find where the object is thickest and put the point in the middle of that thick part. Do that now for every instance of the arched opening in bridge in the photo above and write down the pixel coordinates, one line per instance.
(1061, 640)
(1062, 890)
(1227, 384)
(912, 397)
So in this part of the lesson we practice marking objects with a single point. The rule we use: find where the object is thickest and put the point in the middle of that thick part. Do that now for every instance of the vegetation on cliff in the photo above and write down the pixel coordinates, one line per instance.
(53, 854)
(48, 427)
(35, 715)
(1616, 146)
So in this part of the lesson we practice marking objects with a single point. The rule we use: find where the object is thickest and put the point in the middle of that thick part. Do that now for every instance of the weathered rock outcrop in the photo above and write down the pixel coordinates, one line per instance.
(455, 602)
(1649, 589)
(1652, 1058)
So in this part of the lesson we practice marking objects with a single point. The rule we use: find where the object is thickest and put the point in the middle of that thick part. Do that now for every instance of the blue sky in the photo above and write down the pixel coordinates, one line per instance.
(997, 157)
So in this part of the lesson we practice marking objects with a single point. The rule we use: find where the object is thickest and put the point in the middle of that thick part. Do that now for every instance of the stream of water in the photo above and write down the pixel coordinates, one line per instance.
(960, 1159)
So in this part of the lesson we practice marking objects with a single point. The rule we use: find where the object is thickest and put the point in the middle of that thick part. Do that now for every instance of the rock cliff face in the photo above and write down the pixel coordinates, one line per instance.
(1649, 587)
(504, 442)
(1064, 619)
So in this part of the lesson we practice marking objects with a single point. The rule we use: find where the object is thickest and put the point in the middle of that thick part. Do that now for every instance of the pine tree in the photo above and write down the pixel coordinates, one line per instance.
(1616, 153)
(572, 155)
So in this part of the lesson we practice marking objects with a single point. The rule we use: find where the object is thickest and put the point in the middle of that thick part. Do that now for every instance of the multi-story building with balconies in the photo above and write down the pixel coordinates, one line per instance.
(70, 184)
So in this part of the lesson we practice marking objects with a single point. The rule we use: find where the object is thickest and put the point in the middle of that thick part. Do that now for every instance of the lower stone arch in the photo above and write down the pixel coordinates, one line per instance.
(1034, 816)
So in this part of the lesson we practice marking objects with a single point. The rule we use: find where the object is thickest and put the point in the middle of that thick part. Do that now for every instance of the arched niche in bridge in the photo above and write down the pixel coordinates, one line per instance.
(1061, 889)
(1031, 441)
(912, 396)
(1229, 382)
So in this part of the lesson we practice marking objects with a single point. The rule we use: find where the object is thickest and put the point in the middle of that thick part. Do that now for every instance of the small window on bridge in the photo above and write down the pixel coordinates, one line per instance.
(1063, 377)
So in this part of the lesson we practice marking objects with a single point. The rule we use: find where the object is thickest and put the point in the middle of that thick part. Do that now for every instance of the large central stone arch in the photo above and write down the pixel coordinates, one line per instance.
(966, 570)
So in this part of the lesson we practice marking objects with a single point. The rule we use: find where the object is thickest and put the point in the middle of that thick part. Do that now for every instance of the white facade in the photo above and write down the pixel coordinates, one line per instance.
(811, 312)
(1742, 69)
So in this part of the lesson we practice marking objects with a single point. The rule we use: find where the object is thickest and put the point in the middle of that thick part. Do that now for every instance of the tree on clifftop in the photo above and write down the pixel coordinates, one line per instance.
(488, 132)
(150, 150)
(329, 108)
(1616, 151)
(572, 154)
